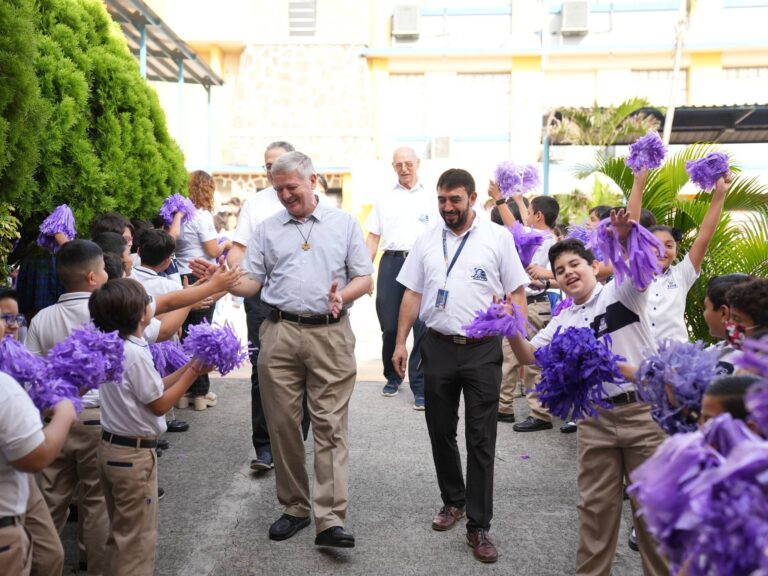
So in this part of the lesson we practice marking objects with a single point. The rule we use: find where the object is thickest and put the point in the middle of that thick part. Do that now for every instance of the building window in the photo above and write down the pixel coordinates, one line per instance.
(746, 84)
(302, 17)
(655, 85)
(742, 73)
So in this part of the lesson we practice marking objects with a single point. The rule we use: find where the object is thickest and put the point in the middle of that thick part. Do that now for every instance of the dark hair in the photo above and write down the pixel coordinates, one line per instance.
(751, 298)
(647, 218)
(118, 305)
(676, 233)
(281, 144)
(561, 230)
(139, 227)
(718, 286)
(512, 205)
(549, 207)
(111, 242)
(156, 246)
(573, 245)
(730, 390)
(602, 211)
(113, 266)
(75, 260)
(110, 222)
(456, 178)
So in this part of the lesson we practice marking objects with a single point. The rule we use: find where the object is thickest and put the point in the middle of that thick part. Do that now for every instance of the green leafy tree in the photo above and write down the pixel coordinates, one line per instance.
(740, 243)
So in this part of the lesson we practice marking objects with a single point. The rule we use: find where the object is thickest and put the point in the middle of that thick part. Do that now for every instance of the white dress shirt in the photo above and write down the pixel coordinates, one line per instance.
(400, 215)
(666, 301)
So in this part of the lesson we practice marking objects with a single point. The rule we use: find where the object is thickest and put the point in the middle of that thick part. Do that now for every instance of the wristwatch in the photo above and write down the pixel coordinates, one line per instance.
(501, 201)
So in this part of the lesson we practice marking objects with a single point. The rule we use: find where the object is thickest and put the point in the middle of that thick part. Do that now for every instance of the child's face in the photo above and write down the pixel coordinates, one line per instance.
(576, 277)
(740, 317)
(670, 248)
(715, 319)
(711, 406)
(9, 309)
(100, 276)
(592, 221)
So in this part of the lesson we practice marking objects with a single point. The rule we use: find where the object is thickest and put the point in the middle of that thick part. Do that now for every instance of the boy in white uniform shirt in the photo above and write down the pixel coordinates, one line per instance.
(622, 438)
(25, 448)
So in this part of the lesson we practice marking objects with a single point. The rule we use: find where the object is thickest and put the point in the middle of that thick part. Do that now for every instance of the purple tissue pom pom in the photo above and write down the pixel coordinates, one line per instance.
(216, 346)
(61, 220)
(87, 358)
(562, 305)
(177, 203)
(574, 367)
(496, 322)
(20, 363)
(581, 233)
(757, 404)
(706, 171)
(526, 242)
(646, 152)
(673, 381)
(46, 393)
(513, 179)
(642, 250)
(754, 356)
(531, 178)
(725, 432)
(168, 357)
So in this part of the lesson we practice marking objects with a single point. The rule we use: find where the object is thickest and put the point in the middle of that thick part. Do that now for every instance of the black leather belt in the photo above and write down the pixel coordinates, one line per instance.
(461, 340)
(623, 398)
(6, 521)
(396, 253)
(537, 298)
(311, 319)
(128, 441)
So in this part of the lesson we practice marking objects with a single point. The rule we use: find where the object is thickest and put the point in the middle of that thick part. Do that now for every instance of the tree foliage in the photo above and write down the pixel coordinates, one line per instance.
(740, 243)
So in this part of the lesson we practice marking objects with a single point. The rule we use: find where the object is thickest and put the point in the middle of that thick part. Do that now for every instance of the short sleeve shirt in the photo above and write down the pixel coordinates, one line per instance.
(21, 431)
(153, 283)
(666, 301)
(124, 408)
(194, 233)
(401, 215)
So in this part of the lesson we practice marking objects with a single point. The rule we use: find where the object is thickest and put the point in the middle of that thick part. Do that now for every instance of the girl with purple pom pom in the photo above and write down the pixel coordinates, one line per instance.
(132, 415)
(623, 437)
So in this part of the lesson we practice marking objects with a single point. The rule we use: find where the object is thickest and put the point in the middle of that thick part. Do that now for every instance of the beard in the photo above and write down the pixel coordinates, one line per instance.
(461, 219)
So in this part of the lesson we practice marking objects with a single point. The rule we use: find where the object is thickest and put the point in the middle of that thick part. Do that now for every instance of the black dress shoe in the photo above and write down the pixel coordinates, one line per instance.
(335, 536)
(501, 417)
(178, 426)
(286, 526)
(163, 444)
(632, 541)
(532, 424)
(568, 427)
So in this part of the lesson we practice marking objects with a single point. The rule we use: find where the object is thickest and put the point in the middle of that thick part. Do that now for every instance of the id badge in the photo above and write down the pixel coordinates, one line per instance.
(442, 299)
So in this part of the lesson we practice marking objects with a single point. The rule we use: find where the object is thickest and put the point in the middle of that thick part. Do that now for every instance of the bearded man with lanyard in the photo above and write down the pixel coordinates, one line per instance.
(452, 271)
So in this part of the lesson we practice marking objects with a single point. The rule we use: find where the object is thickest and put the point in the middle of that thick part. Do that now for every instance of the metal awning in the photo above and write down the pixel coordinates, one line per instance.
(163, 56)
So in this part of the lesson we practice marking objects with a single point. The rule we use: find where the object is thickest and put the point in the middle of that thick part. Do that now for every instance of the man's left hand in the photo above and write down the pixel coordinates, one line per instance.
(335, 301)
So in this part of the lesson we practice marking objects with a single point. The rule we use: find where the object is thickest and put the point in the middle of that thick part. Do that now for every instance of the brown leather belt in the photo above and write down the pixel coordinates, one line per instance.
(312, 320)
(623, 398)
(460, 340)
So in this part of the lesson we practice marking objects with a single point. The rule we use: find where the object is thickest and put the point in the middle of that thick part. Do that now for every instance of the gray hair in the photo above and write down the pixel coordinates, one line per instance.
(287, 146)
(294, 161)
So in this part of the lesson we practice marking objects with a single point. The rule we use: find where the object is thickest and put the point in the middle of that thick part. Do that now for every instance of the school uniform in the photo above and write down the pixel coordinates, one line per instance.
(128, 462)
(21, 432)
(621, 439)
(667, 296)
(155, 284)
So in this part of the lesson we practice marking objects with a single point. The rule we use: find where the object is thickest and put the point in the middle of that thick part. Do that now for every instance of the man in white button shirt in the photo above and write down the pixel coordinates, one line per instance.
(398, 217)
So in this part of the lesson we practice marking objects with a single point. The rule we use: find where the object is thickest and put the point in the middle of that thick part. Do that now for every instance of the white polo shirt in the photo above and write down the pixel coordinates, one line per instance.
(124, 408)
(400, 215)
(615, 311)
(153, 283)
(666, 301)
(487, 266)
(189, 244)
(541, 258)
(21, 431)
(727, 356)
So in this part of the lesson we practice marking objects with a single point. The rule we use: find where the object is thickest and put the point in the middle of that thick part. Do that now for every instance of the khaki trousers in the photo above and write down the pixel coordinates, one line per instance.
(539, 315)
(320, 360)
(15, 551)
(608, 448)
(511, 379)
(78, 462)
(47, 551)
(129, 477)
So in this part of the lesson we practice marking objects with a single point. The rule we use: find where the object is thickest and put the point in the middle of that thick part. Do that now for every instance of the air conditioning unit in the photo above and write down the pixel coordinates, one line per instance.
(440, 147)
(405, 21)
(574, 18)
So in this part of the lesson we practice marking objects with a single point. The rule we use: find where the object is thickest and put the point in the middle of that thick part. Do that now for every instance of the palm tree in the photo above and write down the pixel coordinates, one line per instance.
(740, 243)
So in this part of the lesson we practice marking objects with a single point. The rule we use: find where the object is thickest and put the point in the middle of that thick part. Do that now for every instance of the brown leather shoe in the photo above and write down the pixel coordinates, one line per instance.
(482, 547)
(447, 517)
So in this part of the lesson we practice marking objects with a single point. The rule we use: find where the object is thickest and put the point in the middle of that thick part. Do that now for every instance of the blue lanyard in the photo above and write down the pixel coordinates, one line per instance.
(455, 256)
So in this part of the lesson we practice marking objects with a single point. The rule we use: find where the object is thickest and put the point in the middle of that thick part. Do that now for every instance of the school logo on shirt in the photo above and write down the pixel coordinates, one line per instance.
(671, 284)
(423, 218)
(479, 274)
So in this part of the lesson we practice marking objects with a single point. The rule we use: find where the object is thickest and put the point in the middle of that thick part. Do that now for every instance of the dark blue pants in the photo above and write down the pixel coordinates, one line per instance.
(202, 385)
(389, 295)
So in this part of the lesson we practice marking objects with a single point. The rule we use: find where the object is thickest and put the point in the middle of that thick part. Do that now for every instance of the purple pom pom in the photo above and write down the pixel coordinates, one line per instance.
(574, 367)
(754, 356)
(496, 322)
(643, 249)
(46, 393)
(756, 401)
(706, 171)
(508, 179)
(168, 357)
(562, 305)
(177, 203)
(673, 381)
(581, 233)
(531, 178)
(216, 346)
(526, 242)
(646, 152)
(20, 363)
(659, 488)
(88, 357)
(60, 221)
(725, 432)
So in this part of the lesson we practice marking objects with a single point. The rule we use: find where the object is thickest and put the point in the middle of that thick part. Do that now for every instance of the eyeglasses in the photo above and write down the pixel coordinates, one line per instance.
(267, 166)
(13, 319)
(401, 165)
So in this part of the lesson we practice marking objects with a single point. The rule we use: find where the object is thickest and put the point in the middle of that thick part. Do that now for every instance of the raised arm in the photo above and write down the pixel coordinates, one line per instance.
(504, 212)
(635, 202)
(709, 223)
